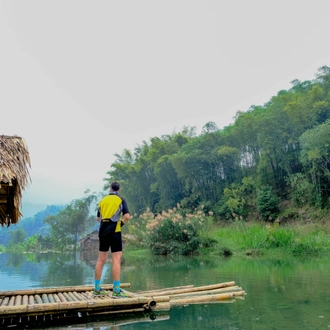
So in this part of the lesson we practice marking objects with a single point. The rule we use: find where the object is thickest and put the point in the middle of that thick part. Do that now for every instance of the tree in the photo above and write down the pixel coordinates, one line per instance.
(71, 223)
(315, 156)
(17, 237)
(210, 127)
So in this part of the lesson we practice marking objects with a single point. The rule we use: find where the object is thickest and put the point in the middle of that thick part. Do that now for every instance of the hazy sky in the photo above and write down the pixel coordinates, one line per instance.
(83, 80)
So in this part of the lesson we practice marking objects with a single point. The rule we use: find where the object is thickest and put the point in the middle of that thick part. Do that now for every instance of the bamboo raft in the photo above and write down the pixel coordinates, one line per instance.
(72, 303)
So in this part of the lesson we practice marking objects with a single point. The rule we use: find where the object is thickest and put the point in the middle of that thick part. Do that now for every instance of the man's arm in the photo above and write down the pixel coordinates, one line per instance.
(126, 214)
(126, 217)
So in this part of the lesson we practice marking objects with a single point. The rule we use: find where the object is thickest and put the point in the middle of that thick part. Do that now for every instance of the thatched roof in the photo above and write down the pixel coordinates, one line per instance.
(14, 177)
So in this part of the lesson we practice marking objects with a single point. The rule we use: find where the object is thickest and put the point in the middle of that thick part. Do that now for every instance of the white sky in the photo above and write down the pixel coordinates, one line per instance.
(82, 80)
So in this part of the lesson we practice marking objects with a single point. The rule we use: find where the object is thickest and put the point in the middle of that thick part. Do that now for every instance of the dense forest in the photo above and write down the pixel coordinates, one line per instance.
(272, 156)
(271, 164)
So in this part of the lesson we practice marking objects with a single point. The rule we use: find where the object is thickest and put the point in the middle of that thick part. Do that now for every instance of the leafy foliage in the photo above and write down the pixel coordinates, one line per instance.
(267, 203)
(67, 227)
(32, 225)
(283, 145)
(171, 232)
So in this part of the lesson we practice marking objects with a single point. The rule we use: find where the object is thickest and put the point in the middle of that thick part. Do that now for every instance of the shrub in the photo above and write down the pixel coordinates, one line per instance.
(280, 237)
(171, 232)
(267, 203)
(301, 189)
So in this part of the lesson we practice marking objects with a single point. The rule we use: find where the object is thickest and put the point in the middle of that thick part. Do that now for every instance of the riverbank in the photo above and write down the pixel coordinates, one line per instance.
(259, 238)
(241, 238)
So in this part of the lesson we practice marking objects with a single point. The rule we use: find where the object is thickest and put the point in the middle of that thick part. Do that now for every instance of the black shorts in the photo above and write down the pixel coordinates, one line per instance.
(109, 239)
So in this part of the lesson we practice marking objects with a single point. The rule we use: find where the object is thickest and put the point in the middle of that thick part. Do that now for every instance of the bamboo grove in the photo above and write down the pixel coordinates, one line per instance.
(275, 153)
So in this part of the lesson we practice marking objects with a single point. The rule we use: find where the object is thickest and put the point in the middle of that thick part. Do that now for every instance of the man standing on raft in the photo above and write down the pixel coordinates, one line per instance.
(111, 208)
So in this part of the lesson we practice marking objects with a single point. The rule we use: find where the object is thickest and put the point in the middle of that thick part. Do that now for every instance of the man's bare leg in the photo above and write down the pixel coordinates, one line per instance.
(116, 259)
(101, 260)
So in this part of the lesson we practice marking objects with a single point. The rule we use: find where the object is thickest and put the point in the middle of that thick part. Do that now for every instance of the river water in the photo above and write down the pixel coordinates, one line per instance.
(287, 293)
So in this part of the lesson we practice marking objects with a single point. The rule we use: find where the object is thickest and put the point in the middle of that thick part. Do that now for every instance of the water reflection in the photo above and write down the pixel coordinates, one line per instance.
(286, 293)
(15, 260)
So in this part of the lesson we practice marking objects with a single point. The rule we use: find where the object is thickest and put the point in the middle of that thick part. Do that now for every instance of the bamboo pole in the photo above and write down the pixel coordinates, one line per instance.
(60, 289)
(166, 289)
(79, 296)
(25, 300)
(217, 297)
(61, 296)
(163, 298)
(13, 310)
(163, 306)
(18, 300)
(185, 290)
(57, 303)
(222, 290)
(5, 301)
(239, 293)
(11, 301)
(206, 298)
(44, 298)
(56, 298)
(72, 296)
(67, 297)
(125, 303)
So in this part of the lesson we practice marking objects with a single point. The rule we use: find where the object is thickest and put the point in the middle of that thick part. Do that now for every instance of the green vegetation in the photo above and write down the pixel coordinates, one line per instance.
(235, 186)
(272, 153)
(173, 232)
(57, 228)
(68, 226)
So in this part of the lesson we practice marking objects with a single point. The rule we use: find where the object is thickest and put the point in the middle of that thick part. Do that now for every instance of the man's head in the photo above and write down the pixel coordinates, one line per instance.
(115, 186)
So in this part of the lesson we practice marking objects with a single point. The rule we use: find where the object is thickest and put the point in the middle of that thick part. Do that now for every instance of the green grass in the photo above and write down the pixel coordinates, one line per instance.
(258, 238)
(253, 238)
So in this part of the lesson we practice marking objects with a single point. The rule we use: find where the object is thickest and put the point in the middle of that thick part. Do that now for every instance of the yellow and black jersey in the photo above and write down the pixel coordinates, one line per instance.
(111, 207)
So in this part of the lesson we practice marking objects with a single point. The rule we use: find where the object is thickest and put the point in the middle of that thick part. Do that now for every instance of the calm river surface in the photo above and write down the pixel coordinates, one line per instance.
(290, 293)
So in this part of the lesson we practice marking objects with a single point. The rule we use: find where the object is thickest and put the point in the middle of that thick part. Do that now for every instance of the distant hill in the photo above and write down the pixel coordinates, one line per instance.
(30, 209)
(32, 225)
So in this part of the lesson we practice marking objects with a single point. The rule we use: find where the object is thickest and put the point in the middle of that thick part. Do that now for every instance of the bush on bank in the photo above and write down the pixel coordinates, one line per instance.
(173, 232)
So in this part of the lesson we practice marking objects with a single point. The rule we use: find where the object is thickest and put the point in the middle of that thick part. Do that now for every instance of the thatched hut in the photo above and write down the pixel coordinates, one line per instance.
(90, 242)
(14, 177)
